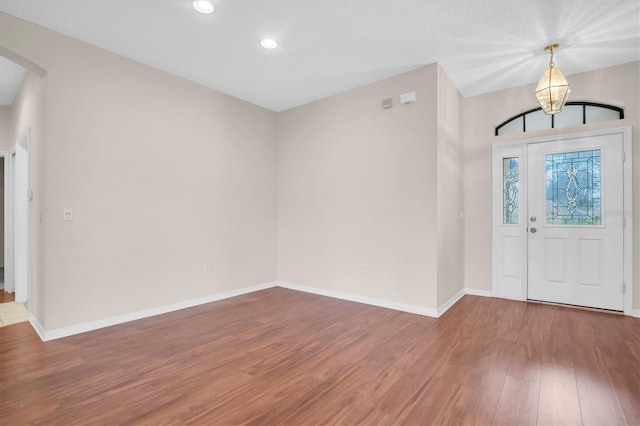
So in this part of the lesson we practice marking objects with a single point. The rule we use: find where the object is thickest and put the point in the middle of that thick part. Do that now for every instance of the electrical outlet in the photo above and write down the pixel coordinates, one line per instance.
(364, 268)
(207, 269)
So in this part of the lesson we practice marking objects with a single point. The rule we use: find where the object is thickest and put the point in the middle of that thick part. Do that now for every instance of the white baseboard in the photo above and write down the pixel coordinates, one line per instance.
(413, 309)
(449, 303)
(476, 292)
(37, 326)
(46, 335)
(58, 333)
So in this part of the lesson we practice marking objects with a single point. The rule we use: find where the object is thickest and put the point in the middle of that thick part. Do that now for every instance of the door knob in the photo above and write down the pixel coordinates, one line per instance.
(533, 230)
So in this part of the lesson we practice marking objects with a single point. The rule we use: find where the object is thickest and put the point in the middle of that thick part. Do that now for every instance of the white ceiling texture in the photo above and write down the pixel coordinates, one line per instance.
(329, 46)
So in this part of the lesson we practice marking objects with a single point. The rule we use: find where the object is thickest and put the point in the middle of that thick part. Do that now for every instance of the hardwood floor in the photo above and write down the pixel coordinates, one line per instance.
(283, 357)
(7, 297)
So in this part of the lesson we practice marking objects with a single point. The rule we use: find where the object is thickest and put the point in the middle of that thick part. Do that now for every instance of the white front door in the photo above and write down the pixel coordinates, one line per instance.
(575, 221)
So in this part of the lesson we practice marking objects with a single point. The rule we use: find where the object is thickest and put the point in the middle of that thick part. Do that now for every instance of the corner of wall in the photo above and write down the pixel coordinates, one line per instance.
(450, 281)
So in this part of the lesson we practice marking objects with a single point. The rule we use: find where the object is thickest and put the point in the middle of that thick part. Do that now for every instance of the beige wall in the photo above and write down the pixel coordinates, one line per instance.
(163, 175)
(618, 85)
(450, 230)
(357, 186)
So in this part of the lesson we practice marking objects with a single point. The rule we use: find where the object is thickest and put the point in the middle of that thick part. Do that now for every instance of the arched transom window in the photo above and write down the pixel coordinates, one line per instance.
(574, 113)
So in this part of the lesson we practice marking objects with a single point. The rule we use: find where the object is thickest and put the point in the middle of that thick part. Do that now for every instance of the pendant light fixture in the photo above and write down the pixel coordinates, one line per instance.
(553, 90)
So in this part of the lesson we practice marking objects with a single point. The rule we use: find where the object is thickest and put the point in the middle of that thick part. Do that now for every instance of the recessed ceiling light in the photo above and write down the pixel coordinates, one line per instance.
(203, 6)
(267, 43)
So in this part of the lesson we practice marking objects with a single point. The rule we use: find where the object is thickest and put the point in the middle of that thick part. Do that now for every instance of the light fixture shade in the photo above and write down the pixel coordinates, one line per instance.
(203, 6)
(268, 43)
(552, 91)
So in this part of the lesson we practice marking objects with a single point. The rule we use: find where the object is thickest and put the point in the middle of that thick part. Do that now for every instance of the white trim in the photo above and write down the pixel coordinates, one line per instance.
(42, 333)
(21, 223)
(58, 333)
(627, 233)
(7, 209)
(627, 138)
(476, 292)
(46, 335)
(412, 309)
(9, 235)
(508, 286)
(449, 303)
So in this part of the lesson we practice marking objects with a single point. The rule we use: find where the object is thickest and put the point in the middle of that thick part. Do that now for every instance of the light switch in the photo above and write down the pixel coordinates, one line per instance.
(68, 214)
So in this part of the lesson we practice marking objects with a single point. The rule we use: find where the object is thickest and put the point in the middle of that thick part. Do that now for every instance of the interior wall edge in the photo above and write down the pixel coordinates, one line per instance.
(449, 303)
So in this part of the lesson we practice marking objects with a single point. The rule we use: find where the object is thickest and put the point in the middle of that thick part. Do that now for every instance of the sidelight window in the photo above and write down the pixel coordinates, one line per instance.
(510, 197)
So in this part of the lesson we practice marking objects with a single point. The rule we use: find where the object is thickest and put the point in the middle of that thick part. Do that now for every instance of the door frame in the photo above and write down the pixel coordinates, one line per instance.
(7, 225)
(514, 286)
(20, 230)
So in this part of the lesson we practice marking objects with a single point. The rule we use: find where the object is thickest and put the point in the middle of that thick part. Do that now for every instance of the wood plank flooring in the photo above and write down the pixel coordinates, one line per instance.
(284, 357)
(7, 297)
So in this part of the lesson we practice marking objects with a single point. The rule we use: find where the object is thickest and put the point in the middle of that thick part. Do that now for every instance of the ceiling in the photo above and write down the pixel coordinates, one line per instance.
(11, 77)
(329, 46)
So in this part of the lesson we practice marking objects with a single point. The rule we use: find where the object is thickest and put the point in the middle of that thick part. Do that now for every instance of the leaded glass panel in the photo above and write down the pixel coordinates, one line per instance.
(573, 188)
(510, 182)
